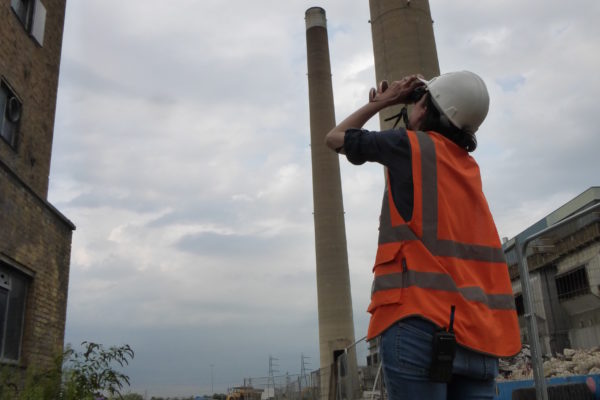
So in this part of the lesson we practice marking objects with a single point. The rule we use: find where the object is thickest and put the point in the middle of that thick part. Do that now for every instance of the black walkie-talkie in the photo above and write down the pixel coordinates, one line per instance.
(444, 349)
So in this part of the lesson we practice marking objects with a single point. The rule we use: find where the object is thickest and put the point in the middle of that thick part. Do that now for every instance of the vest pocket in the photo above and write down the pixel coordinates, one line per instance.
(387, 253)
(384, 298)
(387, 285)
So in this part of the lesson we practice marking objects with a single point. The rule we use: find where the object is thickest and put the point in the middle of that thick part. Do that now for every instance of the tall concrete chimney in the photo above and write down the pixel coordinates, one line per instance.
(336, 325)
(403, 43)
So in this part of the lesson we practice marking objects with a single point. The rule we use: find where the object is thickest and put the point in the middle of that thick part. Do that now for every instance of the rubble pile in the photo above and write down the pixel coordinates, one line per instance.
(517, 367)
(570, 362)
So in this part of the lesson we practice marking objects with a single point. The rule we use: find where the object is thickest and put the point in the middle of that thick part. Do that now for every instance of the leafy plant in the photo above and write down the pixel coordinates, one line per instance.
(92, 373)
(87, 375)
(33, 384)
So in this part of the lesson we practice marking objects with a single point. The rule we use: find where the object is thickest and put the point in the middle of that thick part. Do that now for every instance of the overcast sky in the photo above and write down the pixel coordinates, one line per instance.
(181, 153)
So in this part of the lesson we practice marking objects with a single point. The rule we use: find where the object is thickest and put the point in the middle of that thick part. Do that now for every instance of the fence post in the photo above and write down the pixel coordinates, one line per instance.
(532, 329)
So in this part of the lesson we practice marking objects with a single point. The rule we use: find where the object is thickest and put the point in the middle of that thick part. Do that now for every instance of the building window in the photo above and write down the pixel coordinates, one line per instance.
(10, 114)
(13, 292)
(32, 15)
(519, 305)
(572, 284)
(24, 11)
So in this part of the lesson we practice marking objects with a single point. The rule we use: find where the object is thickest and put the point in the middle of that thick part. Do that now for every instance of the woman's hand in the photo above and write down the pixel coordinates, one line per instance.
(397, 92)
(385, 95)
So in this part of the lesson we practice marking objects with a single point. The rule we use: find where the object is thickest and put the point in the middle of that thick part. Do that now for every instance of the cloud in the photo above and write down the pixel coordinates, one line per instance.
(182, 153)
(511, 83)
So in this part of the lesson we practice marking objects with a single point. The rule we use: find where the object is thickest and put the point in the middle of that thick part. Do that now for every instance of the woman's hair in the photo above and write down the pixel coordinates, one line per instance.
(434, 121)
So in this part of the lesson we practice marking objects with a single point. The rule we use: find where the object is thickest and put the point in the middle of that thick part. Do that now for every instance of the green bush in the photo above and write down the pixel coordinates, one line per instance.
(85, 375)
(33, 384)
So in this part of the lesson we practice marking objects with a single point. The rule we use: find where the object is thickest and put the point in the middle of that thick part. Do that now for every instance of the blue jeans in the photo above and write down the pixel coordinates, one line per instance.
(405, 351)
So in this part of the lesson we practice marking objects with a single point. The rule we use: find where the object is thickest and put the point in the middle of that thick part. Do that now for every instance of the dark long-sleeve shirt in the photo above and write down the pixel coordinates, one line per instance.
(391, 149)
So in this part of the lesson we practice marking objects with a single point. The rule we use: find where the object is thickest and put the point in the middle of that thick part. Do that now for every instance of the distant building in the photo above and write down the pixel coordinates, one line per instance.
(35, 238)
(564, 272)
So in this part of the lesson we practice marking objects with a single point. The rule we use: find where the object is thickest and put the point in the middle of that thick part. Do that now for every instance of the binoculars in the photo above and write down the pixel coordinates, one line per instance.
(412, 98)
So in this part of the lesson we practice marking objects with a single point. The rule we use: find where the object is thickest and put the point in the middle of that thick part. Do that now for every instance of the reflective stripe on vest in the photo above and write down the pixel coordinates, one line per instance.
(437, 281)
(442, 248)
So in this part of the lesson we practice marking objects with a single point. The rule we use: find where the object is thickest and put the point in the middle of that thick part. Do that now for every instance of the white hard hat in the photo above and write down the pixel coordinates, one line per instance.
(462, 97)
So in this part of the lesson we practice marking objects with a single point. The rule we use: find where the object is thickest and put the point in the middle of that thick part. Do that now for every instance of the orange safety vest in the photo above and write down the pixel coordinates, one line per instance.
(449, 253)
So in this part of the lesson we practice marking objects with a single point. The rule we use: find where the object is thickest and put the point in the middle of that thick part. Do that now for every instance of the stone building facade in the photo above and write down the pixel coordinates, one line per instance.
(564, 272)
(35, 238)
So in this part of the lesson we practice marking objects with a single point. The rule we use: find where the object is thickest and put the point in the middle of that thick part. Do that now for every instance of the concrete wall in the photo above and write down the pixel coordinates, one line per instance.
(574, 322)
(536, 291)
(584, 311)
(336, 323)
(584, 330)
(403, 43)
(588, 256)
(539, 310)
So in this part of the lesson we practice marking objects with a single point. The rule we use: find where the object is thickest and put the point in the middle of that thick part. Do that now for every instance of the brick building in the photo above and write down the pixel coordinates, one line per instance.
(35, 238)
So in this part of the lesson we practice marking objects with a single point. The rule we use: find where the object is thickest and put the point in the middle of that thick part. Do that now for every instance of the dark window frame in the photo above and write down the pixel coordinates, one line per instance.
(519, 304)
(9, 130)
(23, 9)
(14, 290)
(32, 15)
(572, 284)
